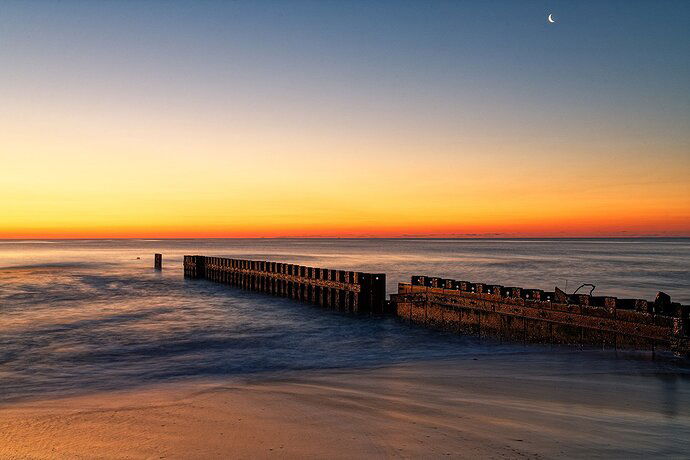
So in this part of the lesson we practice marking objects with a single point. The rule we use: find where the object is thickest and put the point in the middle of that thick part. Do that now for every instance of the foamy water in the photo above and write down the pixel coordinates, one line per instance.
(80, 316)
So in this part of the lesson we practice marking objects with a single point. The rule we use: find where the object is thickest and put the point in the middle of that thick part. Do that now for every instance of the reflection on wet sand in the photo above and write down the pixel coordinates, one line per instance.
(464, 408)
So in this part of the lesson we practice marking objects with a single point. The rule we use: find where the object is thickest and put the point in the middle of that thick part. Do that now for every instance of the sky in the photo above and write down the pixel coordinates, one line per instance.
(344, 118)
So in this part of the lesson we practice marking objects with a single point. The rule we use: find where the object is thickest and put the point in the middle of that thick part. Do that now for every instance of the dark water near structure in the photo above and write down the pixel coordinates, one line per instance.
(79, 316)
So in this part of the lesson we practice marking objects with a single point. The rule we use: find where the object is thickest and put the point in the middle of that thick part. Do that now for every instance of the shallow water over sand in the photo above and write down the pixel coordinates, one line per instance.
(83, 316)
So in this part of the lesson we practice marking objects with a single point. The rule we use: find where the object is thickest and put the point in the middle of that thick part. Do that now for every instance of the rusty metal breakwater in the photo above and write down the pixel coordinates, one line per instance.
(534, 315)
(347, 291)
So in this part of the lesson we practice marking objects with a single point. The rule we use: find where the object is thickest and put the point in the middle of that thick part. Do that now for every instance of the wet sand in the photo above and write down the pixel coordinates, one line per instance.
(484, 407)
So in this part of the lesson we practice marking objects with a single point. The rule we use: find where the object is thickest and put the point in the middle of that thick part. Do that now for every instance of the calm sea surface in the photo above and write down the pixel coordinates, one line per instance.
(87, 315)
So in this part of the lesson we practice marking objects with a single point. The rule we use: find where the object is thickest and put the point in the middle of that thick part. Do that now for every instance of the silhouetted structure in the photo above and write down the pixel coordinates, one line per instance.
(533, 315)
(526, 315)
(349, 291)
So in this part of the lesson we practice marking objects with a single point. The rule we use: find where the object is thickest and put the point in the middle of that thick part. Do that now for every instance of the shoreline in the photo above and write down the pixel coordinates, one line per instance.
(458, 407)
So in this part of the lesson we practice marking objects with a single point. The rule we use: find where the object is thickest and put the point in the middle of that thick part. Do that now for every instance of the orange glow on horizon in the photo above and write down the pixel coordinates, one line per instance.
(571, 229)
(138, 134)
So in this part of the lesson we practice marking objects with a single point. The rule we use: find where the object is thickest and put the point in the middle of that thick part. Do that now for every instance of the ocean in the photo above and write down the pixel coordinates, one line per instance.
(79, 316)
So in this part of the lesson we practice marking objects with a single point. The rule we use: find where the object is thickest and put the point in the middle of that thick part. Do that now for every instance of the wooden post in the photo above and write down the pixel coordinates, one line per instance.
(158, 261)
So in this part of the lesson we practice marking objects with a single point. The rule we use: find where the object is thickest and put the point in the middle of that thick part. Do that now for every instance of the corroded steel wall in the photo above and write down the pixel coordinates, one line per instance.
(337, 289)
(533, 315)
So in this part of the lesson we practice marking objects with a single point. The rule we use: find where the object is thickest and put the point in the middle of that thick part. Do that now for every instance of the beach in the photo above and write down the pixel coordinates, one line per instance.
(103, 357)
(461, 408)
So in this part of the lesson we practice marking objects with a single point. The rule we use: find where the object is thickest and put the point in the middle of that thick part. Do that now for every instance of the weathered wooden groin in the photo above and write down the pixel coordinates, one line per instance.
(348, 291)
(514, 313)
(534, 315)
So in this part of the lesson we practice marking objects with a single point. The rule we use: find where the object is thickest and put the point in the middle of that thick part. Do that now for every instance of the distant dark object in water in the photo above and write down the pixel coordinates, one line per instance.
(138, 258)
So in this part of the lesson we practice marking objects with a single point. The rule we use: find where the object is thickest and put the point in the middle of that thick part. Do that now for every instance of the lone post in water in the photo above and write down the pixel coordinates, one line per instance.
(158, 261)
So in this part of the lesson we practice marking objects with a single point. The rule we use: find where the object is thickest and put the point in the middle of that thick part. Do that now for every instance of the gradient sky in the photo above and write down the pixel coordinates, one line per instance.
(344, 118)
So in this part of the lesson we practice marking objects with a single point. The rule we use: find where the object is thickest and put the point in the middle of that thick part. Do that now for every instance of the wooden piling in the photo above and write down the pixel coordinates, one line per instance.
(334, 289)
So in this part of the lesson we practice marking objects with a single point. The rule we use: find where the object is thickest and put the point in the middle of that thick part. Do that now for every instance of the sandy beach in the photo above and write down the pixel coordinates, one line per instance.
(465, 408)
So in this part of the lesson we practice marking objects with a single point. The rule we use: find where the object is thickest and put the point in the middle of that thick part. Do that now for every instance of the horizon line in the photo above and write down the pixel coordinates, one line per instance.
(478, 237)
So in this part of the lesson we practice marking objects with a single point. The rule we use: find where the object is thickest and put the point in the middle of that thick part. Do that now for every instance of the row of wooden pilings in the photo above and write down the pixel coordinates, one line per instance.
(512, 312)
(347, 291)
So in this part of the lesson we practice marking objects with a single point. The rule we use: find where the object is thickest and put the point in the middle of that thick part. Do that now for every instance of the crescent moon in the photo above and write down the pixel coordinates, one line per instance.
(550, 19)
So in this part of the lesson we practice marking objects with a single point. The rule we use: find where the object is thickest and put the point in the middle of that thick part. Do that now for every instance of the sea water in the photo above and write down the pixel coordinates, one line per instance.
(79, 316)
